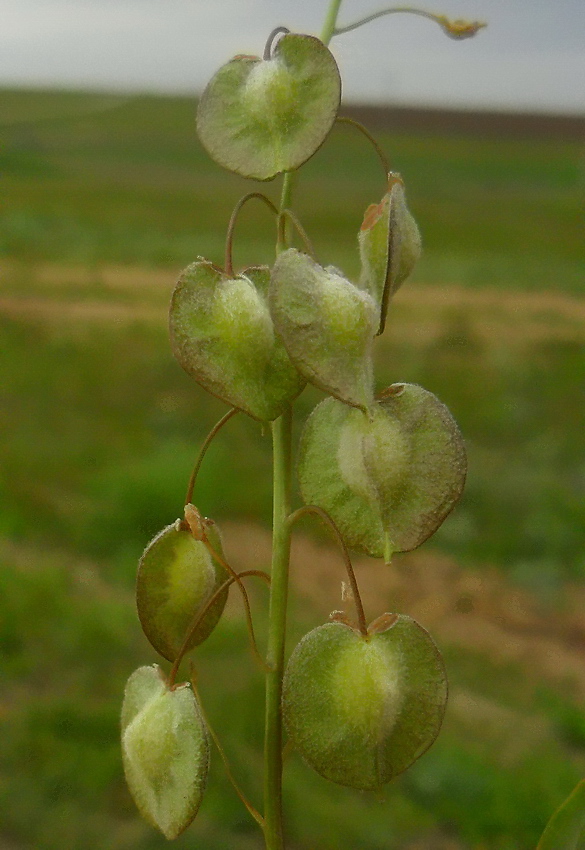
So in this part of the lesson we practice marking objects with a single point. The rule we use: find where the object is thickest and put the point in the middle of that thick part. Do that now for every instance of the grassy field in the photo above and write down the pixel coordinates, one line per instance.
(104, 199)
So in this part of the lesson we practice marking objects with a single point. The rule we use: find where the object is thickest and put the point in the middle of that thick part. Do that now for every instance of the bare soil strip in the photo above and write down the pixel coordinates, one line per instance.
(479, 611)
(418, 313)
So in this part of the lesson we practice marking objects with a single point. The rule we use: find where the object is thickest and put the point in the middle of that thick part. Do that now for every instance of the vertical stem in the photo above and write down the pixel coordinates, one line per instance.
(330, 21)
(285, 204)
(282, 474)
(281, 440)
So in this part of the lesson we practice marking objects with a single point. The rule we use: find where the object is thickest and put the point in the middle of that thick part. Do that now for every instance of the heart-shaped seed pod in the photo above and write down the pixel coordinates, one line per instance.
(388, 479)
(327, 325)
(361, 709)
(390, 246)
(165, 750)
(259, 117)
(176, 578)
(222, 334)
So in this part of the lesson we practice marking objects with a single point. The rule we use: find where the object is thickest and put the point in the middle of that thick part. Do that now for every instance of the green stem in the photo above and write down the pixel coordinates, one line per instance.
(330, 21)
(285, 204)
(282, 475)
(281, 439)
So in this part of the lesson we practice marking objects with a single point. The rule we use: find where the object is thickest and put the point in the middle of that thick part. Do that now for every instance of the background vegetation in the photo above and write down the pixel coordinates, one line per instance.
(104, 200)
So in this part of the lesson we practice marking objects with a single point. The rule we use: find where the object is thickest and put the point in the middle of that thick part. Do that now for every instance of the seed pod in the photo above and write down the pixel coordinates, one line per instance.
(259, 117)
(389, 478)
(390, 246)
(327, 325)
(361, 710)
(176, 577)
(165, 750)
(222, 334)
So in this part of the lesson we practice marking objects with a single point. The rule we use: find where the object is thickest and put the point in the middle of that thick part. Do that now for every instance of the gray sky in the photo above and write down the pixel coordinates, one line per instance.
(531, 56)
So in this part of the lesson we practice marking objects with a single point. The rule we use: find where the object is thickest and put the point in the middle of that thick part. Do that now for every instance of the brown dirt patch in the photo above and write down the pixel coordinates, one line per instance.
(477, 610)
(418, 314)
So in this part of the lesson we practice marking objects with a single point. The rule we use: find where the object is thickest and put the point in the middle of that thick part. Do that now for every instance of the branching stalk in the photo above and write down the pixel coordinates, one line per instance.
(201, 614)
(252, 809)
(236, 577)
(228, 263)
(207, 442)
(270, 41)
(324, 516)
(381, 155)
(454, 29)
(289, 214)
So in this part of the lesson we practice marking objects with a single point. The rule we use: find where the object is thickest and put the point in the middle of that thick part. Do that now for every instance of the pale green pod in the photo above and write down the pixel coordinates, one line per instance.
(360, 710)
(389, 245)
(222, 334)
(165, 750)
(259, 117)
(327, 325)
(389, 478)
(176, 578)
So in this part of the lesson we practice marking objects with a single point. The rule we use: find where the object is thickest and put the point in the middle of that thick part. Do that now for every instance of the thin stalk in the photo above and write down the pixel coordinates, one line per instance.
(323, 515)
(246, 600)
(229, 241)
(252, 809)
(217, 427)
(282, 241)
(270, 41)
(381, 155)
(201, 614)
(289, 214)
(281, 439)
(454, 29)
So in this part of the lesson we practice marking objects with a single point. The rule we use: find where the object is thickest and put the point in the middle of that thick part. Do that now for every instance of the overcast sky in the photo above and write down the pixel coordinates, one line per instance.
(531, 56)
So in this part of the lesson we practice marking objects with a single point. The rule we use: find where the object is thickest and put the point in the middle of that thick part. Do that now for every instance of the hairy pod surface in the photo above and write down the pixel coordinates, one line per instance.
(259, 117)
(176, 577)
(361, 710)
(389, 478)
(165, 750)
(222, 335)
(389, 245)
(327, 325)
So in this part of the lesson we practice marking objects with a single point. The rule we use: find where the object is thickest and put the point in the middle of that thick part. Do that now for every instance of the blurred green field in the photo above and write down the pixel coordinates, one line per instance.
(104, 199)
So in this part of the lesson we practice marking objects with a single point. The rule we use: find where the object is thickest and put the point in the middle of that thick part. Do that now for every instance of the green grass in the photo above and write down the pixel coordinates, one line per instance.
(94, 179)
(99, 428)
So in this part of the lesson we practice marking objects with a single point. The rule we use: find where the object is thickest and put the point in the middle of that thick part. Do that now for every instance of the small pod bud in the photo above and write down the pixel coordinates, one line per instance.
(176, 577)
(390, 246)
(222, 334)
(388, 479)
(361, 710)
(165, 750)
(327, 325)
(259, 117)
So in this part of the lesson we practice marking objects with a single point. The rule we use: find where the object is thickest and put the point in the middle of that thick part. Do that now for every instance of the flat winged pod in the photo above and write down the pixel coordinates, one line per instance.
(361, 709)
(389, 244)
(259, 117)
(176, 577)
(165, 750)
(389, 478)
(222, 334)
(327, 325)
